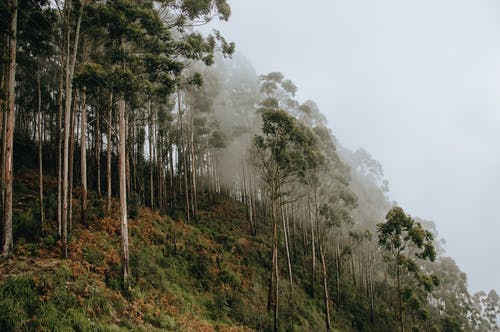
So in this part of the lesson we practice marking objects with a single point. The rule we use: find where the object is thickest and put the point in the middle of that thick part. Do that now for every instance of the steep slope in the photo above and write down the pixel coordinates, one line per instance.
(209, 276)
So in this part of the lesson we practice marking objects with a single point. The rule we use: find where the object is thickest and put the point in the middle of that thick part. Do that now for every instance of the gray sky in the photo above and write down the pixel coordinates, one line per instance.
(417, 84)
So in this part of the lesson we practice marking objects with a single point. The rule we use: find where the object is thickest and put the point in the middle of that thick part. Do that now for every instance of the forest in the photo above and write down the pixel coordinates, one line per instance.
(151, 180)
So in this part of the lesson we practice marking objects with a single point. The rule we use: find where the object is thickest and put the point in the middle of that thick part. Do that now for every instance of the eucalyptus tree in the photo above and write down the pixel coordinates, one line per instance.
(451, 302)
(332, 204)
(284, 151)
(8, 127)
(405, 244)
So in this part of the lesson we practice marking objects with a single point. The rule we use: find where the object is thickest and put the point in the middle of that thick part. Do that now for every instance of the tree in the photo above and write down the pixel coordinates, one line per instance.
(405, 243)
(283, 153)
(8, 132)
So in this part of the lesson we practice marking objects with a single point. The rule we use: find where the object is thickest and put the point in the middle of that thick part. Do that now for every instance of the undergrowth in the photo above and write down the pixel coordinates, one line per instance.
(208, 276)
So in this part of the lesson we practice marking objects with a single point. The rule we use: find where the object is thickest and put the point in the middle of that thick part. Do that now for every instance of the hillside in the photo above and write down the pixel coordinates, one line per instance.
(209, 276)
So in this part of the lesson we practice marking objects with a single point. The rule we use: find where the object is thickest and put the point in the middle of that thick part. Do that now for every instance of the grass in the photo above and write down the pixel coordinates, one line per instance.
(209, 276)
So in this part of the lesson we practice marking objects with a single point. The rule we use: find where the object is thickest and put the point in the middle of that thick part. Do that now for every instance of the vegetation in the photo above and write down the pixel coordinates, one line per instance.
(152, 183)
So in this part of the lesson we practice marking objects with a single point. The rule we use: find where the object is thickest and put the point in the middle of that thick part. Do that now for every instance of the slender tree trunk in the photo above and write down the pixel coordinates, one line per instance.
(287, 247)
(110, 145)
(98, 151)
(83, 160)
(67, 124)
(193, 168)
(151, 156)
(70, 68)
(40, 151)
(337, 266)
(325, 289)
(372, 294)
(353, 270)
(122, 156)
(59, 152)
(184, 158)
(3, 133)
(172, 197)
(275, 267)
(272, 298)
(313, 252)
(72, 161)
(400, 299)
(127, 159)
(7, 241)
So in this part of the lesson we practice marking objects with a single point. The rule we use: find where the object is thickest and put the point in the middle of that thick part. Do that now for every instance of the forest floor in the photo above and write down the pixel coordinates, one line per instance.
(206, 276)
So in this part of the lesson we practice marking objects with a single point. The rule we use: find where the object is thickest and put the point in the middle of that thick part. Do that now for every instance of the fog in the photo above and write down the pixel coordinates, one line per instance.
(415, 83)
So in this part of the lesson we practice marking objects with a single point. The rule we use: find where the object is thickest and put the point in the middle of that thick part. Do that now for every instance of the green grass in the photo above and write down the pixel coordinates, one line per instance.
(184, 277)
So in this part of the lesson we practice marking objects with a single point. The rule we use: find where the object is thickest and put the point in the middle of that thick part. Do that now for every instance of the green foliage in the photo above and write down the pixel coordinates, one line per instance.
(401, 233)
(161, 320)
(133, 205)
(285, 145)
(406, 243)
(26, 225)
(93, 255)
(18, 303)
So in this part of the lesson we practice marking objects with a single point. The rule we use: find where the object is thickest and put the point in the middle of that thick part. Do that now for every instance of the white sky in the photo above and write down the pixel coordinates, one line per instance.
(417, 84)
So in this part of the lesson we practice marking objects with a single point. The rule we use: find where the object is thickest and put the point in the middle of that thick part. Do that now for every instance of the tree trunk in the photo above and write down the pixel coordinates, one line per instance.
(40, 151)
(184, 157)
(7, 241)
(98, 151)
(127, 159)
(83, 160)
(2, 172)
(70, 68)
(287, 247)
(172, 196)
(151, 156)
(372, 294)
(122, 157)
(110, 145)
(275, 267)
(313, 251)
(337, 267)
(74, 125)
(59, 151)
(353, 270)
(193, 169)
(325, 289)
(400, 298)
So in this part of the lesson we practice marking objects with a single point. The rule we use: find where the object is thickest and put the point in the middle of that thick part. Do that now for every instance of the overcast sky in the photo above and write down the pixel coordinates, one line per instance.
(417, 84)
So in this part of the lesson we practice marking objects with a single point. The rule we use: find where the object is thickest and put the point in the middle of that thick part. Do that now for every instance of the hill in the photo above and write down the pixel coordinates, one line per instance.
(208, 276)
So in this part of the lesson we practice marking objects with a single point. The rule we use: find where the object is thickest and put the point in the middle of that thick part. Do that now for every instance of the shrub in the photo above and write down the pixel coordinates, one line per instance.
(93, 255)
(25, 225)
(50, 240)
(133, 205)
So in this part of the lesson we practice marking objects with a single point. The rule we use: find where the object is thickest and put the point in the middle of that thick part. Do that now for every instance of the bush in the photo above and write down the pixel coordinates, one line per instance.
(95, 209)
(50, 240)
(93, 255)
(133, 205)
(25, 225)
(161, 320)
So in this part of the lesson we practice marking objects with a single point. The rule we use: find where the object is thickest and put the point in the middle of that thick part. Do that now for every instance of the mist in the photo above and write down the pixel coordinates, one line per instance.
(414, 83)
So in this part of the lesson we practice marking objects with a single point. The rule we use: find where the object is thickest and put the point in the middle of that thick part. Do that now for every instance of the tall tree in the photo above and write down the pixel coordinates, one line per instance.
(405, 242)
(283, 153)
(70, 56)
(8, 139)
